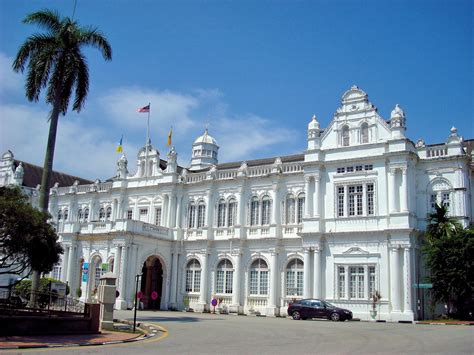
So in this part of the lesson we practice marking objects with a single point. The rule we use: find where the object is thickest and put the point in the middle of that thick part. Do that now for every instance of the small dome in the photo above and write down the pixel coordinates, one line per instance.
(397, 112)
(205, 138)
(314, 124)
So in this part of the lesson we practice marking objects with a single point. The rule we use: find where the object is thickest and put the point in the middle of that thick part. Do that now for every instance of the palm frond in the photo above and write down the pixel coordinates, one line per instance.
(82, 83)
(48, 19)
(33, 44)
(96, 39)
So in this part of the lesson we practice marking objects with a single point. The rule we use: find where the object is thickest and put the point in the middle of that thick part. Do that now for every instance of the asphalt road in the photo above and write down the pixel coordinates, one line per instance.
(194, 333)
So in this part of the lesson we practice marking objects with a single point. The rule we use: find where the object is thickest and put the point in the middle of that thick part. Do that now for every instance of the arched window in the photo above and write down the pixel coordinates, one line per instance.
(254, 211)
(294, 278)
(364, 133)
(221, 207)
(290, 209)
(65, 215)
(301, 203)
(232, 212)
(192, 215)
(86, 215)
(97, 273)
(80, 215)
(345, 136)
(224, 277)
(201, 214)
(266, 210)
(193, 276)
(102, 214)
(108, 213)
(258, 278)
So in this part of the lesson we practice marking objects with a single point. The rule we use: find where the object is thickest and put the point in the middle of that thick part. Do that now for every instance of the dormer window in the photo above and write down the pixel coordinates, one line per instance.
(345, 136)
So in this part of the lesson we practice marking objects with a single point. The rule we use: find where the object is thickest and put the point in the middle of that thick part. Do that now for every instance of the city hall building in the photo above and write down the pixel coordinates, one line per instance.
(339, 221)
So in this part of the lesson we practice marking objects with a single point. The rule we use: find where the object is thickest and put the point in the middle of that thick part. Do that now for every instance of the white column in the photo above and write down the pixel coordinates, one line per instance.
(204, 272)
(309, 198)
(117, 258)
(236, 280)
(174, 280)
(395, 279)
(404, 197)
(65, 265)
(317, 273)
(275, 217)
(70, 267)
(178, 210)
(307, 273)
(391, 190)
(346, 281)
(273, 279)
(316, 196)
(123, 271)
(407, 305)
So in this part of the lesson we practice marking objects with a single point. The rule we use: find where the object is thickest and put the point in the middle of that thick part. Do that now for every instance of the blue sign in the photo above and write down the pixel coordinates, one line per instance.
(85, 272)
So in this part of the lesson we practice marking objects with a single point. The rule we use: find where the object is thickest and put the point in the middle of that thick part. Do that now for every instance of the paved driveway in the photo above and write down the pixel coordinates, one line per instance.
(194, 333)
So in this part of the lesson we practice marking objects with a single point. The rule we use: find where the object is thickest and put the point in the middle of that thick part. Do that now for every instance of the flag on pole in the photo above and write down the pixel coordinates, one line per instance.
(119, 147)
(144, 108)
(170, 135)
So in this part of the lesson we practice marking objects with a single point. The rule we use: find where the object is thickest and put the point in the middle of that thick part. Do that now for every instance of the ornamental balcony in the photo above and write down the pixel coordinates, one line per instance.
(118, 227)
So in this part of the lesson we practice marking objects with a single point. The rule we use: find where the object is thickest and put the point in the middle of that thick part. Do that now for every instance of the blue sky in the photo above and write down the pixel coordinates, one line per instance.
(254, 71)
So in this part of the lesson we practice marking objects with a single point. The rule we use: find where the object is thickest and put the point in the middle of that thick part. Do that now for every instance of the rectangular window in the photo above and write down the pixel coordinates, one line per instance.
(263, 282)
(197, 280)
(220, 281)
(433, 201)
(253, 282)
(254, 213)
(368, 167)
(356, 282)
(221, 215)
(231, 214)
(129, 214)
(299, 283)
(342, 282)
(301, 202)
(192, 216)
(189, 280)
(340, 201)
(201, 215)
(445, 199)
(158, 216)
(266, 212)
(56, 273)
(371, 280)
(290, 282)
(370, 199)
(228, 281)
(341, 170)
(143, 212)
(351, 202)
(359, 168)
(359, 199)
(350, 169)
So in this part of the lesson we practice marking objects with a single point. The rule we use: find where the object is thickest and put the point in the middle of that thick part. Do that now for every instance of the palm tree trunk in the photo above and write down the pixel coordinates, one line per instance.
(44, 191)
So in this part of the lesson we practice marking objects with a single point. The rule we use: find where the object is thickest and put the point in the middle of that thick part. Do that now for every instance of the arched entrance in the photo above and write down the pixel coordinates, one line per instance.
(152, 283)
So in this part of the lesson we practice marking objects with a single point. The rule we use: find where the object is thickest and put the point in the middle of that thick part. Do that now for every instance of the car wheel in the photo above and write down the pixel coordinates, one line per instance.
(296, 315)
(335, 317)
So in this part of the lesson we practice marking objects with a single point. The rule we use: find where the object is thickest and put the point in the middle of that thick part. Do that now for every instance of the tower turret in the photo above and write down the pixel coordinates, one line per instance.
(204, 152)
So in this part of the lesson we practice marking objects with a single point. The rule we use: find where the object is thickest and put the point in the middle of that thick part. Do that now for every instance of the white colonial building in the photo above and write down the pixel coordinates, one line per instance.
(339, 221)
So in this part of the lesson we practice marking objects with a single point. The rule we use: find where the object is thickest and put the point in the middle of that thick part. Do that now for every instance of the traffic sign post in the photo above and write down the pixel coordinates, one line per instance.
(136, 299)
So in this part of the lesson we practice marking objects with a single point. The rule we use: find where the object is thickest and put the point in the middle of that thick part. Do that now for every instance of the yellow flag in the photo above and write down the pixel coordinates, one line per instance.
(170, 135)
(119, 147)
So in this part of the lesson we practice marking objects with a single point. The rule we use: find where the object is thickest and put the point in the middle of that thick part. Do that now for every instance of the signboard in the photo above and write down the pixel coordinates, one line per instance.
(214, 302)
(85, 272)
(139, 295)
(423, 285)
(154, 295)
(59, 288)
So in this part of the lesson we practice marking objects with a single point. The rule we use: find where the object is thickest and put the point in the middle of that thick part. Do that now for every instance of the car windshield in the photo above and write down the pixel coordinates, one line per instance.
(327, 304)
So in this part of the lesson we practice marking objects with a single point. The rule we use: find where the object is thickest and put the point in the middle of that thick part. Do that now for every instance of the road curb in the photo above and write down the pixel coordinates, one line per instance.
(149, 330)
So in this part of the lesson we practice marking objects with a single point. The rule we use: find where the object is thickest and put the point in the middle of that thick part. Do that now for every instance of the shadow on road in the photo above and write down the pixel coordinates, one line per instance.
(175, 319)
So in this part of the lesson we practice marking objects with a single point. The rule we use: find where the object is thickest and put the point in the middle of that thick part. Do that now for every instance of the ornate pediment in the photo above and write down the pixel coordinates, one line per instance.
(355, 251)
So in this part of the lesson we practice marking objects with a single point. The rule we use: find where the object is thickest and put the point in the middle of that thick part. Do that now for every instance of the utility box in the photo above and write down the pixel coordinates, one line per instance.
(106, 297)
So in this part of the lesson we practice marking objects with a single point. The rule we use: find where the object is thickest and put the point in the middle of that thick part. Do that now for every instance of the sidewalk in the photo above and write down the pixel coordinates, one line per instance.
(45, 341)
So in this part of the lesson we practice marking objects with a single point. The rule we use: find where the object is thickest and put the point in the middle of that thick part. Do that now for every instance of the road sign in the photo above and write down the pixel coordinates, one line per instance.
(154, 295)
(139, 295)
(423, 285)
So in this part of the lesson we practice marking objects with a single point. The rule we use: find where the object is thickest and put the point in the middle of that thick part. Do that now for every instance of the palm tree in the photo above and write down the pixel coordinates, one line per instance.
(440, 225)
(55, 62)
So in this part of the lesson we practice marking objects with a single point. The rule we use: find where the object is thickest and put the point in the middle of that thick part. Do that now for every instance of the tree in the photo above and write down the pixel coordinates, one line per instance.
(27, 241)
(449, 253)
(55, 61)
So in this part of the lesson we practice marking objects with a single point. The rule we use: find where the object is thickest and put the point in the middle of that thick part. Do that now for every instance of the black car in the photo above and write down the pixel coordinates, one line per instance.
(314, 308)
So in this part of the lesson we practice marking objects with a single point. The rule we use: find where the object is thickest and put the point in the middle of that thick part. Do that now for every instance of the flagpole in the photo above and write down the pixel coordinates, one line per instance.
(147, 140)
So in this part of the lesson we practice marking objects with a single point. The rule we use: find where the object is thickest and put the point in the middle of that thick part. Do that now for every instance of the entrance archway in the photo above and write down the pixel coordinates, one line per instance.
(152, 283)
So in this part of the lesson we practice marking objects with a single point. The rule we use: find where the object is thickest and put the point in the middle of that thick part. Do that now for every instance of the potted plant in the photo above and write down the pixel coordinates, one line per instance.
(375, 300)
(186, 303)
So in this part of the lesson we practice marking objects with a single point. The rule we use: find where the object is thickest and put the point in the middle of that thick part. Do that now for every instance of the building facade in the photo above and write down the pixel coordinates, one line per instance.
(340, 221)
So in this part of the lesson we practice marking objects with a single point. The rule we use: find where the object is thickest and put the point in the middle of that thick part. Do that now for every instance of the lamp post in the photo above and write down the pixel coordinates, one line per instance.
(137, 277)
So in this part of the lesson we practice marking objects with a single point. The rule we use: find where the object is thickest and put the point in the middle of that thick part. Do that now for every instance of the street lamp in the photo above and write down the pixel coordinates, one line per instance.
(137, 277)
